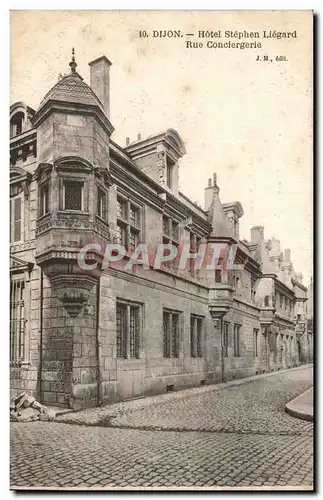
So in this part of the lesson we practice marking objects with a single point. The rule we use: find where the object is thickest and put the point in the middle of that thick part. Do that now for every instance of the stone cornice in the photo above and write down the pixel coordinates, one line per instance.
(24, 138)
(160, 286)
(52, 106)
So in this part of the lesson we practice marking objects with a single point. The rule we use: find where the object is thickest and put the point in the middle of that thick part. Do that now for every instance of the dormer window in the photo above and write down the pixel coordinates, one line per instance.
(16, 124)
(73, 195)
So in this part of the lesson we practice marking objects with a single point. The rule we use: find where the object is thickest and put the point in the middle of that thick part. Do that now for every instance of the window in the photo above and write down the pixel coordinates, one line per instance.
(128, 330)
(255, 342)
(102, 204)
(171, 334)
(196, 336)
(170, 229)
(281, 300)
(44, 200)
(267, 301)
(17, 320)
(16, 219)
(16, 124)
(236, 341)
(128, 223)
(225, 338)
(73, 195)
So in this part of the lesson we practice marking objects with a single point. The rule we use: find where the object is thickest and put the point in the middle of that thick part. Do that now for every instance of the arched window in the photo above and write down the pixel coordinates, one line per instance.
(267, 301)
(16, 124)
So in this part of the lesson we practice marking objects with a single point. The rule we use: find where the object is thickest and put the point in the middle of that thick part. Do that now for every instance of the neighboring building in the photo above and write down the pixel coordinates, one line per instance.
(85, 337)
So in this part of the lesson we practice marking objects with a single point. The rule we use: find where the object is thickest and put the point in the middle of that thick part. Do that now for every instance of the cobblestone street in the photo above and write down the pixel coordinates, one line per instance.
(237, 435)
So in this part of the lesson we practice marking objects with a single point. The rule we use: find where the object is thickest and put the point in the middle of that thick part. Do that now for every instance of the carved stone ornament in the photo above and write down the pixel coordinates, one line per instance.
(73, 291)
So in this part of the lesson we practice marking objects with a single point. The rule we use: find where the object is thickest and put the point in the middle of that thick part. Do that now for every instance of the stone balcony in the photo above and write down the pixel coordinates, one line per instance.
(66, 233)
(266, 317)
(220, 300)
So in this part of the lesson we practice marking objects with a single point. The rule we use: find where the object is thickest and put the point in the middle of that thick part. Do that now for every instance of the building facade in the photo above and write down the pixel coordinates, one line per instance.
(85, 336)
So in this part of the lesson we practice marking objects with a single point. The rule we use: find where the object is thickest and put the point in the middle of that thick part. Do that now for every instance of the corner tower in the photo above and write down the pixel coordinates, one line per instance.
(73, 188)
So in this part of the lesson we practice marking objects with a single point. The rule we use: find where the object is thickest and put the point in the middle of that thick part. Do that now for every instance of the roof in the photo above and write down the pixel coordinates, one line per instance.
(73, 89)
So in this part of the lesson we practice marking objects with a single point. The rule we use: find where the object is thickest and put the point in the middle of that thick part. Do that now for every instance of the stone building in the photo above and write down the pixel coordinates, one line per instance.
(83, 337)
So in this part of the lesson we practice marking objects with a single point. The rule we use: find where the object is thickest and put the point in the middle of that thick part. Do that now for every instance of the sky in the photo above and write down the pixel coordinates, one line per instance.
(249, 121)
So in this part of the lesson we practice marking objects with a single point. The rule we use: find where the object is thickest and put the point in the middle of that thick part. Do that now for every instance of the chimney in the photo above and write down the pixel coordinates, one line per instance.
(127, 141)
(209, 191)
(275, 250)
(100, 81)
(138, 137)
(299, 277)
(257, 234)
(287, 255)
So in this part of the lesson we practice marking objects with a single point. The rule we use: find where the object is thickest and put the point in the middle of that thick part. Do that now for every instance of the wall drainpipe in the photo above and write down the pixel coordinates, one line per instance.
(41, 306)
(222, 352)
(98, 346)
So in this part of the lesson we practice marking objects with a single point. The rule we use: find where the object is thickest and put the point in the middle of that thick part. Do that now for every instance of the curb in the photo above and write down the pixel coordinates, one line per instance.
(294, 410)
(140, 403)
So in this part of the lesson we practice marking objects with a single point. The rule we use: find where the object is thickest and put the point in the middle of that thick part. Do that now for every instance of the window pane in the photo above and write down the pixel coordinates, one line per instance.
(134, 215)
(166, 225)
(175, 335)
(73, 195)
(101, 203)
(121, 208)
(121, 330)
(166, 329)
(121, 235)
(193, 339)
(199, 337)
(169, 176)
(17, 320)
(225, 339)
(134, 332)
(17, 219)
(133, 240)
(175, 230)
(44, 200)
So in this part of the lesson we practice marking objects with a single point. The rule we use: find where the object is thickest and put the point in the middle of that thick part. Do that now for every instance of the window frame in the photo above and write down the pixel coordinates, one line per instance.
(18, 320)
(124, 221)
(256, 342)
(171, 342)
(125, 348)
(236, 340)
(102, 203)
(73, 181)
(225, 339)
(21, 220)
(197, 335)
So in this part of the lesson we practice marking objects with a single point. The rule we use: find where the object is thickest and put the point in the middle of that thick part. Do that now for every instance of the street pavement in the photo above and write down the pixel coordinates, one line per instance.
(233, 436)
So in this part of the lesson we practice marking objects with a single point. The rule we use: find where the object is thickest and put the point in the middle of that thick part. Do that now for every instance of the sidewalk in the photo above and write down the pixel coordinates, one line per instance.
(302, 406)
(94, 416)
